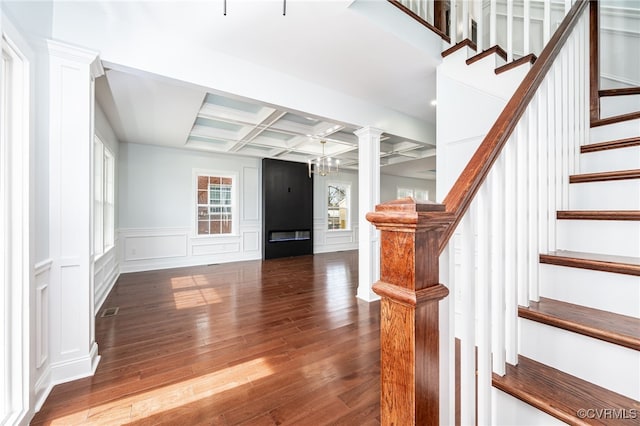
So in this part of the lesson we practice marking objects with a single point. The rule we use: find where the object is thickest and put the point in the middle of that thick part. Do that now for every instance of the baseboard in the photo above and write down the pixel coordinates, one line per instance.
(66, 371)
(42, 389)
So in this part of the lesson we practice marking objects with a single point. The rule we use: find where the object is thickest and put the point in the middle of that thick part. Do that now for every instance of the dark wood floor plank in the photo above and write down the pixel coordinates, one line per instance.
(244, 343)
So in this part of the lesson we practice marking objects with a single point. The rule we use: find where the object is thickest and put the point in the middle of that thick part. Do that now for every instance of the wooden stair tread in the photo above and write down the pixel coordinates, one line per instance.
(599, 262)
(527, 59)
(493, 49)
(605, 176)
(615, 119)
(458, 46)
(598, 214)
(563, 395)
(619, 329)
(615, 144)
(622, 91)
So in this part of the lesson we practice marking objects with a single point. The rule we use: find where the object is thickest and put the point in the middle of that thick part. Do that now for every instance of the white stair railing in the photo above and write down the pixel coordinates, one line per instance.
(491, 264)
(519, 27)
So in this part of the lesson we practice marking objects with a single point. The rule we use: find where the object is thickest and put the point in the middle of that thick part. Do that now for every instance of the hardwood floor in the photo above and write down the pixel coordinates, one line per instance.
(282, 341)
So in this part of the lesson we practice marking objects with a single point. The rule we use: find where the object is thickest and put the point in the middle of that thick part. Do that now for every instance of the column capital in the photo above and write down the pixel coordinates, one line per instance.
(368, 132)
(77, 54)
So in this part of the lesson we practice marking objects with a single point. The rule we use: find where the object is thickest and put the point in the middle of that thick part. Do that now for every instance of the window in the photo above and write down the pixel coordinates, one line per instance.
(14, 242)
(215, 204)
(416, 194)
(338, 203)
(104, 196)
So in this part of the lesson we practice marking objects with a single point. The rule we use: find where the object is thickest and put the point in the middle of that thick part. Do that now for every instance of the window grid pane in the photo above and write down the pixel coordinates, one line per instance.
(338, 206)
(214, 205)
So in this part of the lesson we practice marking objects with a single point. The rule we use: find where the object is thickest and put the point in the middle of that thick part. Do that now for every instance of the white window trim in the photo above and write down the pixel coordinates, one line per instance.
(235, 209)
(349, 200)
(15, 222)
(103, 229)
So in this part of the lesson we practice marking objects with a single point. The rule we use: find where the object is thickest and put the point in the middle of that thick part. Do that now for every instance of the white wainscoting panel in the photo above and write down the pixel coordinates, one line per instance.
(42, 271)
(106, 272)
(161, 245)
(251, 241)
(325, 241)
(161, 248)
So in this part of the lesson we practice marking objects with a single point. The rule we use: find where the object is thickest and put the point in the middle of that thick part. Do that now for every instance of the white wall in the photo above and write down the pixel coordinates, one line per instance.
(619, 43)
(470, 98)
(157, 212)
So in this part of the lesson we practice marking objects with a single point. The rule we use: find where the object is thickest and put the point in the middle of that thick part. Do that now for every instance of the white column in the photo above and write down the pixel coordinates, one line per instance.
(73, 349)
(369, 197)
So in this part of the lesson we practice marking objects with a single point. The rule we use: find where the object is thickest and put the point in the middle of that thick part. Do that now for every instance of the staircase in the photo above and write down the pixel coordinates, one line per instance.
(538, 245)
(578, 359)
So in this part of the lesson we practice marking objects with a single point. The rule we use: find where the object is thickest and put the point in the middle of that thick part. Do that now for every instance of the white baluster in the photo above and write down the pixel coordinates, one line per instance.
(556, 69)
(465, 20)
(526, 22)
(522, 209)
(493, 11)
(479, 15)
(543, 168)
(483, 303)
(532, 191)
(546, 23)
(467, 324)
(497, 177)
(453, 17)
(560, 68)
(447, 338)
(551, 159)
(509, 31)
(511, 298)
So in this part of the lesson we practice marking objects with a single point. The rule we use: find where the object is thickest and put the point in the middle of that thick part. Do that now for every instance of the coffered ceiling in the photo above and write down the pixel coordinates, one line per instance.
(154, 110)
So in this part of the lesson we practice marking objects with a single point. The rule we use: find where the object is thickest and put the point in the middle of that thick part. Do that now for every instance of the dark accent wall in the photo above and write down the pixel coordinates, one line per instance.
(287, 209)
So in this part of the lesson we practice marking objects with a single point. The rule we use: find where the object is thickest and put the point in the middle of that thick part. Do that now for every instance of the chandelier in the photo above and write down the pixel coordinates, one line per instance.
(323, 165)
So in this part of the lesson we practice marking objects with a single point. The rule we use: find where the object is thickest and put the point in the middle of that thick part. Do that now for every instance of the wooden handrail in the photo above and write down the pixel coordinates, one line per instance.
(463, 191)
(421, 20)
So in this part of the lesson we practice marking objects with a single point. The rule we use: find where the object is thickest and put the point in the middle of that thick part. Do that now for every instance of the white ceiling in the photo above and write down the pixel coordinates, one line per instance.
(323, 42)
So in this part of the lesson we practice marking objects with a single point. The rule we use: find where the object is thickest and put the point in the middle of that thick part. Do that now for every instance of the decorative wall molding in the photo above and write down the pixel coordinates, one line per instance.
(106, 272)
(163, 248)
(326, 241)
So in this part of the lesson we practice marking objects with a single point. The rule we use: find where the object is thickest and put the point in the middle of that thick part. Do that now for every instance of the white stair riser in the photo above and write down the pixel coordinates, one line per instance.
(622, 130)
(617, 105)
(606, 291)
(610, 160)
(508, 410)
(621, 238)
(605, 364)
(607, 195)
(481, 74)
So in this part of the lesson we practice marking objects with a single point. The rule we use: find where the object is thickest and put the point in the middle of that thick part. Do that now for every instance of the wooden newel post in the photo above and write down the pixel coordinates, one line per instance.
(410, 291)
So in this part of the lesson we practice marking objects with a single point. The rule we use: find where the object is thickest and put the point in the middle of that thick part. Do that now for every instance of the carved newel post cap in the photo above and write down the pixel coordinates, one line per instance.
(409, 213)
